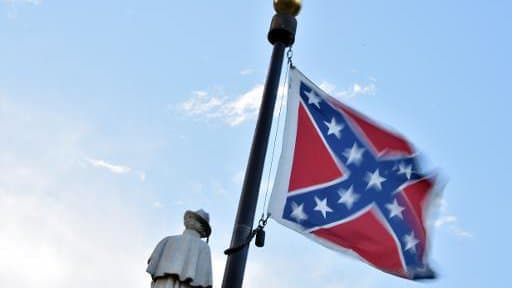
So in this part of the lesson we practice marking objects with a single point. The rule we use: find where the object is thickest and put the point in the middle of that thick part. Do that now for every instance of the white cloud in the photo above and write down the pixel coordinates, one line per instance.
(13, 5)
(61, 241)
(30, 220)
(443, 220)
(63, 226)
(441, 204)
(231, 111)
(33, 2)
(458, 231)
(116, 169)
(202, 104)
(218, 264)
(451, 222)
(238, 178)
(246, 71)
(244, 107)
(327, 87)
(29, 2)
(142, 175)
(356, 89)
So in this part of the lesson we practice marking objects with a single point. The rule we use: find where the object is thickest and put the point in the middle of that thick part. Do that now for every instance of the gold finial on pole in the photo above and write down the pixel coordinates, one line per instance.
(291, 7)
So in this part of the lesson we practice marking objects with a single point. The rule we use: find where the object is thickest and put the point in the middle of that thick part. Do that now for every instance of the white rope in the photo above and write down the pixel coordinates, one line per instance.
(289, 55)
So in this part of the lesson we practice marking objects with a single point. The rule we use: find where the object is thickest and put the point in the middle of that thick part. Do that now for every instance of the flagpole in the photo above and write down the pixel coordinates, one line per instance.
(281, 35)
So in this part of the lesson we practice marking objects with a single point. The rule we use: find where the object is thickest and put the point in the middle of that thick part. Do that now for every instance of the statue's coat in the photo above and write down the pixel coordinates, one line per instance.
(185, 257)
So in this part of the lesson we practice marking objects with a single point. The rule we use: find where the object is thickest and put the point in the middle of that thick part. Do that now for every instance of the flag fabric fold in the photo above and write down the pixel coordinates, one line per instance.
(350, 184)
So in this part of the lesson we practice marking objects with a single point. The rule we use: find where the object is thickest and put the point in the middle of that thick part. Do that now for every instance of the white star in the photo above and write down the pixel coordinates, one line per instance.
(374, 180)
(395, 209)
(410, 242)
(321, 205)
(407, 170)
(298, 212)
(348, 197)
(354, 154)
(334, 128)
(313, 99)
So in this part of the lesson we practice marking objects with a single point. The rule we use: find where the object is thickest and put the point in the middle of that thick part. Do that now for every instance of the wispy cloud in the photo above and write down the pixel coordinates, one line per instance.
(458, 231)
(446, 219)
(238, 178)
(355, 90)
(201, 103)
(449, 221)
(246, 71)
(116, 169)
(232, 111)
(87, 220)
(13, 5)
(142, 175)
(29, 2)
(244, 107)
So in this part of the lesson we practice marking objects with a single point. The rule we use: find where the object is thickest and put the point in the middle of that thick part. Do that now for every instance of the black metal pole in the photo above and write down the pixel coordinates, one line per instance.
(281, 35)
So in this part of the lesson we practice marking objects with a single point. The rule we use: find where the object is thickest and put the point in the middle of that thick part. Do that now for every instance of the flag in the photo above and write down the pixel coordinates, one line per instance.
(350, 184)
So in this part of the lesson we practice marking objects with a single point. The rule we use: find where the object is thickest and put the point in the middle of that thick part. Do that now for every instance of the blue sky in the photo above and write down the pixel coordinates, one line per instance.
(117, 116)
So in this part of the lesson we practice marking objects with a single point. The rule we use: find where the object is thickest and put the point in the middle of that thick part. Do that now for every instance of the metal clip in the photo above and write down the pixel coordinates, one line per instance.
(289, 55)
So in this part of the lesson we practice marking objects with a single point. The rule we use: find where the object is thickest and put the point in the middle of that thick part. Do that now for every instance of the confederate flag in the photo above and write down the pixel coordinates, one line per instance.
(351, 185)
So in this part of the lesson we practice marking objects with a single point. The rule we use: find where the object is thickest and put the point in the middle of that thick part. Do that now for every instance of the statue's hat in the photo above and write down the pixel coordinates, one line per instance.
(204, 218)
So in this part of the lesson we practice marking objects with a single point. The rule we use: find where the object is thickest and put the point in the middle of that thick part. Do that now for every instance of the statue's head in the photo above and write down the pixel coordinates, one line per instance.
(198, 221)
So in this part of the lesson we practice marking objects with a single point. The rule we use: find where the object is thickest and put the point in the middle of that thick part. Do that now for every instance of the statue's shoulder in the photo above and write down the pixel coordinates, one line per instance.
(172, 237)
(167, 239)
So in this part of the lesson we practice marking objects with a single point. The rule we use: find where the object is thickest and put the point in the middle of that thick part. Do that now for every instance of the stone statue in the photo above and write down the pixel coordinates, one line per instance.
(183, 261)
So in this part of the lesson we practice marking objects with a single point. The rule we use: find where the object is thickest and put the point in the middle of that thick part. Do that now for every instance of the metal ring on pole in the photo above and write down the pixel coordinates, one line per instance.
(282, 29)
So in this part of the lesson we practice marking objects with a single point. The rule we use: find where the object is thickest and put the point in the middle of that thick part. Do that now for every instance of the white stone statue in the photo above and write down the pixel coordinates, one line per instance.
(183, 261)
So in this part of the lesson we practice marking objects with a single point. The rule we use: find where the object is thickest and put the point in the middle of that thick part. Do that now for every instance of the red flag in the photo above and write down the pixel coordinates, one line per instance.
(350, 184)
